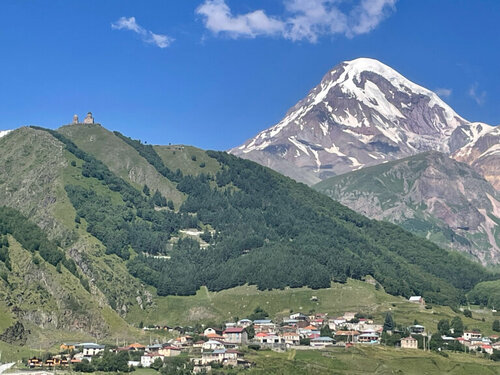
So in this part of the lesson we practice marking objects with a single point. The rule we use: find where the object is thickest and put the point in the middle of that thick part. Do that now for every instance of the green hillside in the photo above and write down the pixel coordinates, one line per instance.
(261, 220)
(430, 195)
(114, 214)
(367, 360)
(357, 296)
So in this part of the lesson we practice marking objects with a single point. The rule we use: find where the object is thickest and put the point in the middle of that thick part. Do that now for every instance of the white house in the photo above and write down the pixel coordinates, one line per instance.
(148, 359)
(291, 338)
(211, 331)
(417, 299)
(219, 355)
(212, 345)
(91, 349)
(265, 338)
(472, 336)
(336, 323)
(409, 343)
(264, 325)
(298, 316)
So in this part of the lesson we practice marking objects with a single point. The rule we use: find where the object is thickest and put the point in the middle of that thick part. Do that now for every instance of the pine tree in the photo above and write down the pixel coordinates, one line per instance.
(496, 326)
(389, 322)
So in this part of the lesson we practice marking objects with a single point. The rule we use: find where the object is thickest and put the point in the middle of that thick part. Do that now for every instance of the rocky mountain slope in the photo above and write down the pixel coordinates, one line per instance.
(481, 150)
(112, 216)
(364, 113)
(429, 194)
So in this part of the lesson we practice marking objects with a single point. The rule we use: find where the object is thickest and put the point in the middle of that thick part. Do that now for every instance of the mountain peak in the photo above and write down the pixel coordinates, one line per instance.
(362, 113)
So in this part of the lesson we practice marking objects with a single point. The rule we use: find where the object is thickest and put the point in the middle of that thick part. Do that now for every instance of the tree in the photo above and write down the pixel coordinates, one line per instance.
(496, 326)
(84, 366)
(258, 314)
(436, 342)
(443, 327)
(326, 331)
(495, 356)
(389, 322)
(458, 326)
(468, 313)
(250, 331)
(157, 364)
(146, 190)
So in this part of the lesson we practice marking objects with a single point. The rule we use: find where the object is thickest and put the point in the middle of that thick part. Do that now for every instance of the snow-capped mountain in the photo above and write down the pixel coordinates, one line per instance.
(362, 113)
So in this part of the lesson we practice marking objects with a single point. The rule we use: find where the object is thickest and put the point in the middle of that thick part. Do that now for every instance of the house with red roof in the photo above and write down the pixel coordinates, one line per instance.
(487, 348)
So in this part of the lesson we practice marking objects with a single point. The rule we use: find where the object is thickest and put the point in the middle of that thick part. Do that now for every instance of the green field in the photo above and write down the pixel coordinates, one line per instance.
(353, 296)
(368, 360)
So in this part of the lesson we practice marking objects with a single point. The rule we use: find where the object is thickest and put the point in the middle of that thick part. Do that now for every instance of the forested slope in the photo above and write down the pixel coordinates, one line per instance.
(263, 228)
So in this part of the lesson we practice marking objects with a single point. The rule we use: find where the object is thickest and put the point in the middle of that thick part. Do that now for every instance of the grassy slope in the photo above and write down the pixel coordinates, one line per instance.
(6, 317)
(30, 166)
(355, 296)
(181, 157)
(124, 161)
(368, 360)
(34, 169)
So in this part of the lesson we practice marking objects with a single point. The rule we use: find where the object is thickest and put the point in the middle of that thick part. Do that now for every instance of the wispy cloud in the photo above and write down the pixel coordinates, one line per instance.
(444, 93)
(478, 96)
(147, 36)
(303, 19)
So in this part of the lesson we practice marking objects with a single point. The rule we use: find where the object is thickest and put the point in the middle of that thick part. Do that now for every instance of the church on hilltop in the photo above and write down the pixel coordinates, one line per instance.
(87, 120)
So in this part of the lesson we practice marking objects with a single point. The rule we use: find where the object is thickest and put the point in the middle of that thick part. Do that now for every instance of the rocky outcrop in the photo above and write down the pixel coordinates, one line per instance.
(15, 334)
(430, 195)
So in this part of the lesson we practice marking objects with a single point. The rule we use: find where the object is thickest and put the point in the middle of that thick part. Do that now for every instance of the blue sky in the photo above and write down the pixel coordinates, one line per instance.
(213, 73)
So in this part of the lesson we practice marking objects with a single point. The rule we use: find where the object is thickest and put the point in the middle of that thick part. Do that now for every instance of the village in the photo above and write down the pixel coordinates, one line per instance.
(205, 348)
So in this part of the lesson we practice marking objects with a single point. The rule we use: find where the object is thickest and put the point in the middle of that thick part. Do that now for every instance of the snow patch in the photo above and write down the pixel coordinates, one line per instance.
(355, 162)
(299, 145)
(3, 133)
(334, 150)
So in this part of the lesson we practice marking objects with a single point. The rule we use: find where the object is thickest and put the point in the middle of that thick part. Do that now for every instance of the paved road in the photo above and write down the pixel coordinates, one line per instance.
(6, 366)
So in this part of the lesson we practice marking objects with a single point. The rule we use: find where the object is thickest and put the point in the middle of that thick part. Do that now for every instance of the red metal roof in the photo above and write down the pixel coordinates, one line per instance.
(234, 330)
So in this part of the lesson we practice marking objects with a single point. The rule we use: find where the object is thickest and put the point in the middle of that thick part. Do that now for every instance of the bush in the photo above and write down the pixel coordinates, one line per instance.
(84, 366)
(305, 342)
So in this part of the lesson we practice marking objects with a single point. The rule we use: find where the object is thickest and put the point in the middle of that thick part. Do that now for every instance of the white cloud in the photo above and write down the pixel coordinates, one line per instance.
(219, 19)
(443, 92)
(302, 20)
(147, 36)
(479, 97)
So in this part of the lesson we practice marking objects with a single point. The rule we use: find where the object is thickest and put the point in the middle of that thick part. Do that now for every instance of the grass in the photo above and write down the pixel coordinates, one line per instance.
(368, 360)
(124, 161)
(181, 157)
(6, 317)
(356, 296)
(11, 353)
